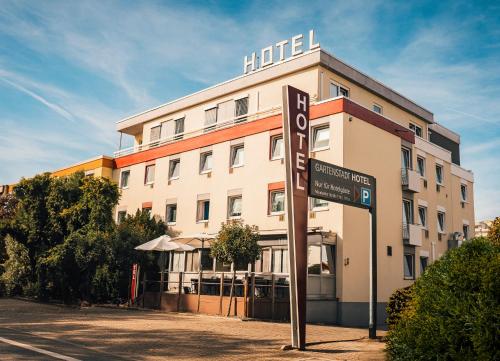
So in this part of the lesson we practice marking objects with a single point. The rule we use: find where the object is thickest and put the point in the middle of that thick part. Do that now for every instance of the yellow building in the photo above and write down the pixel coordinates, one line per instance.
(217, 155)
(101, 166)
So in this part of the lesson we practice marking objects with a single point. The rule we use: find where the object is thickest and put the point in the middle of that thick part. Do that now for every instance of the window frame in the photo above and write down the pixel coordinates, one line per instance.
(200, 214)
(414, 128)
(120, 216)
(170, 170)
(462, 194)
(465, 231)
(207, 127)
(440, 182)
(424, 171)
(146, 182)
(270, 204)
(318, 208)
(168, 208)
(376, 105)
(232, 154)
(241, 117)
(441, 230)
(121, 178)
(179, 135)
(425, 223)
(412, 268)
(340, 89)
(422, 269)
(274, 140)
(231, 199)
(314, 131)
(203, 161)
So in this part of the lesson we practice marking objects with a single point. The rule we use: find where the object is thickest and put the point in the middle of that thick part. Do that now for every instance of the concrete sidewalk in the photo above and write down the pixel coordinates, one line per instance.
(102, 333)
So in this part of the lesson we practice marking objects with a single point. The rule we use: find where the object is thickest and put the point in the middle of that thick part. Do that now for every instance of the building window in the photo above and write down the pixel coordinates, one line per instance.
(178, 128)
(321, 137)
(318, 204)
(237, 155)
(405, 158)
(149, 176)
(439, 174)
(277, 202)
(154, 138)
(407, 211)
(465, 230)
(422, 215)
(234, 206)
(424, 261)
(124, 179)
(171, 214)
(205, 162)
(338, 90)
(409, 265)
(416, 129)
(203, 211)
(277, 147)
(463, 192)
(377, 108)
(241, 109)
(279, 261)
(210, 119)
(441, 222)
(174, 169)
(421, 166)
(121, 216)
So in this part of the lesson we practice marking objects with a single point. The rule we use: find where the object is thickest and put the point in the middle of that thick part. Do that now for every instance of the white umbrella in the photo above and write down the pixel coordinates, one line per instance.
(164, 243)
(196, 240)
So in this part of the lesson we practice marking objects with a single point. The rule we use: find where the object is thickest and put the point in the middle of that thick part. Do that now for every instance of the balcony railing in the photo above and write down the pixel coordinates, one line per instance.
(246, 118)
(412, 234)
(410, 180)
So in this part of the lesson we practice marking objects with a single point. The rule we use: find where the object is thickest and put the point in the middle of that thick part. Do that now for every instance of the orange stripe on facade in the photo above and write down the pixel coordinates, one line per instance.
(276, 185)
(272, 123)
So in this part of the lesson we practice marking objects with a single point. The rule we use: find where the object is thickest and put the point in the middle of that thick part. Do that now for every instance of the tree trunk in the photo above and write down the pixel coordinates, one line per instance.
(231, 293)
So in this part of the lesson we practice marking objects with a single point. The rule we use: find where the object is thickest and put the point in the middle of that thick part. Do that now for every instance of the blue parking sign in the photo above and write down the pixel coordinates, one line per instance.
(366, 197)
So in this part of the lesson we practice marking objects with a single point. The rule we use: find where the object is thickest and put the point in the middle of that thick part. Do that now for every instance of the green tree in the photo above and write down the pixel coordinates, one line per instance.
(16, 275)
(494, 232)
(237, 244)
(454, 311)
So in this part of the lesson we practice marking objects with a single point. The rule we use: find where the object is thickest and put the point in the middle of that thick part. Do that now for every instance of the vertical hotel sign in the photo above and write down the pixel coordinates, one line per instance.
(296, 137)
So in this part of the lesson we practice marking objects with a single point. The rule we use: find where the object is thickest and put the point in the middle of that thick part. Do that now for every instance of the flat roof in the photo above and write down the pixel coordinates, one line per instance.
(317, 57)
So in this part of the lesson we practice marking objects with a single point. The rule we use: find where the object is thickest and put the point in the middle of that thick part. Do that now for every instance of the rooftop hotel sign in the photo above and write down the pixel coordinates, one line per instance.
(279, 51)
(296, 137)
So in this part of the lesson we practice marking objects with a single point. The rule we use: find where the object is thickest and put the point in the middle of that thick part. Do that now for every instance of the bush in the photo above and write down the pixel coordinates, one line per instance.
(454, 313)
(16, 268)
(397, 304)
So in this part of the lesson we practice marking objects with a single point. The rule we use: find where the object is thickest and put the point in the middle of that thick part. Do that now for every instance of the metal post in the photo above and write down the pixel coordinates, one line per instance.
(372, 331)
(253, 294)
(162, 275)
(200, 276)
(179, 292)
(273, 296)
(221, 292)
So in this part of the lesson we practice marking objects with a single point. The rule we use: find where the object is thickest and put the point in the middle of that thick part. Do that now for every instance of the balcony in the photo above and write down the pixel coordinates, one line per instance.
(247, 118)
(412, 234)
(410, 180)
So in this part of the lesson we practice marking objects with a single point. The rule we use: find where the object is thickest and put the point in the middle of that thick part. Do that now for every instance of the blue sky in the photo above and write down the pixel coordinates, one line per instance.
(70, 69)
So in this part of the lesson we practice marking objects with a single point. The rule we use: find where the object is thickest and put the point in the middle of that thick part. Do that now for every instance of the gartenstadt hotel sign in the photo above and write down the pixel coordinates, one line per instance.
(267, 55)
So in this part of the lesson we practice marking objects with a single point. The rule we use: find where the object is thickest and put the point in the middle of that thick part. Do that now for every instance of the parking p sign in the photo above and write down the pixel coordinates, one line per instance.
(366, 197)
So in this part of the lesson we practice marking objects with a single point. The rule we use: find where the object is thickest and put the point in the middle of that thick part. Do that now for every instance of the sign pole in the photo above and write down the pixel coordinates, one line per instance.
(372, 331)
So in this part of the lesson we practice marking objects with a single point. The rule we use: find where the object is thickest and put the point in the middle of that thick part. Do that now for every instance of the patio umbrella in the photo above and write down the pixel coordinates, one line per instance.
(196, 240)
(164, 243)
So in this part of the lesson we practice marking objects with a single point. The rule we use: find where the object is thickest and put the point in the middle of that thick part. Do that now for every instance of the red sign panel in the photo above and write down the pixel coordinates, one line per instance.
(296, 137)
(133, 284)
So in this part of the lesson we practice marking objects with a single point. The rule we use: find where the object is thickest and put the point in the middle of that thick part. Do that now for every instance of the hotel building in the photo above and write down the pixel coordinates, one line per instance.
(217, 155)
